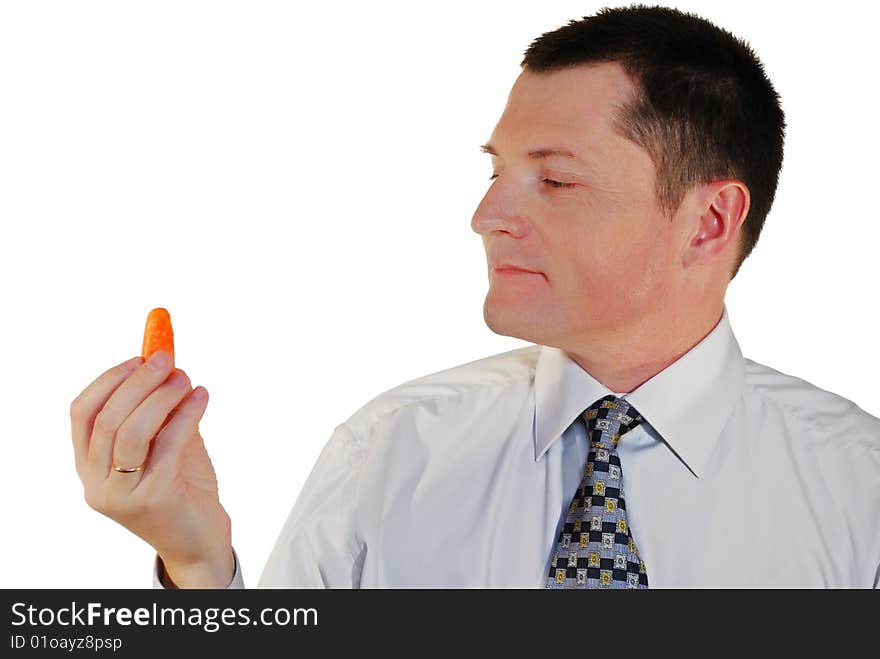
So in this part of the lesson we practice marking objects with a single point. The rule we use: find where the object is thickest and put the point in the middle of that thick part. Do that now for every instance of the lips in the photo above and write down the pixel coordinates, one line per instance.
(514, 273)
(501, 267)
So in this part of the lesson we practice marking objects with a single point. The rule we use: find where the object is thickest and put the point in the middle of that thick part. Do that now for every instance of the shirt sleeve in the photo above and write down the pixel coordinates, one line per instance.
(160, 579)
(319, 545)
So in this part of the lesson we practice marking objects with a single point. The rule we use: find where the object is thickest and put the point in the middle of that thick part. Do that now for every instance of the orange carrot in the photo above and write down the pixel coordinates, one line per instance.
(158, 334)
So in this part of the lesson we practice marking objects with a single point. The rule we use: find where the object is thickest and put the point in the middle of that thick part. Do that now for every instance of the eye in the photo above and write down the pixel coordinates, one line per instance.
(548, 181)
(557, 184)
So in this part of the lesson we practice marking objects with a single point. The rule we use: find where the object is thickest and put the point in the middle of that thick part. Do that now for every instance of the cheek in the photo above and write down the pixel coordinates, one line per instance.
(613, 264)
(648, 272)
(593, 271)
(599, 240)
(612, 245)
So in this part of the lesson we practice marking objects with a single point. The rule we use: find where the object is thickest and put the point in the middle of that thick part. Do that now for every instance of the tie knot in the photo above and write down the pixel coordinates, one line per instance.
(609, 418)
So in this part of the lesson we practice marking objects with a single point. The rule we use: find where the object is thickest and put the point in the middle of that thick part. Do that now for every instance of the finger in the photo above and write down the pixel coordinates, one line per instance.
(89, 402)
(122, 402)
(172, 440)
(140, 427)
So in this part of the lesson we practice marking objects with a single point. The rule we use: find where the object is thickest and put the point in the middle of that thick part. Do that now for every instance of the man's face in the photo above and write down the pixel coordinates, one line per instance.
(604, 252)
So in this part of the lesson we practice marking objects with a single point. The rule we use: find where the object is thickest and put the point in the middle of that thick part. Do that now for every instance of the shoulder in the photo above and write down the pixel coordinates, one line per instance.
(466, 384)
(823, 414)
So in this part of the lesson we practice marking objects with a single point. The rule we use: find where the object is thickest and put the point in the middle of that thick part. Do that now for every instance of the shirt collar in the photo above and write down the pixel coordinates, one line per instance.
(687, 403)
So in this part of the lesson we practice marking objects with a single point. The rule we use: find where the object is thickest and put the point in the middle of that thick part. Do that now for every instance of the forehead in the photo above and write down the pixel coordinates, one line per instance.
(573, 105)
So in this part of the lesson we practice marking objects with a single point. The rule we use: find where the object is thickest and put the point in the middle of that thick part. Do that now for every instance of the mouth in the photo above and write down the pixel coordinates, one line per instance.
(513, 272)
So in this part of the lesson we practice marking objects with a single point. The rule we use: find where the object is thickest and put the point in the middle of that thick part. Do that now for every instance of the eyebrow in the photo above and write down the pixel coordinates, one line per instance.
(538, 153)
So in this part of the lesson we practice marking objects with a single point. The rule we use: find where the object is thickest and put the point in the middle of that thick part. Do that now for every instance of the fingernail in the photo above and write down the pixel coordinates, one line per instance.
(132, 363)
(158, 360)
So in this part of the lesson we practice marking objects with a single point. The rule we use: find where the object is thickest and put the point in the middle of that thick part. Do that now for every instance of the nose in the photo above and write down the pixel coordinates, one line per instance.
(499, 210)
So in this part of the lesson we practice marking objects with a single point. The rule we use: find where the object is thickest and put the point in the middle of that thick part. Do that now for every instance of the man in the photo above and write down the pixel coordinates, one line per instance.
(631, 445)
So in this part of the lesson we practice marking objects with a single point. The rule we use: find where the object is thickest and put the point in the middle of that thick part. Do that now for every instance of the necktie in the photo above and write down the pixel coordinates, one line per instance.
(595, 548)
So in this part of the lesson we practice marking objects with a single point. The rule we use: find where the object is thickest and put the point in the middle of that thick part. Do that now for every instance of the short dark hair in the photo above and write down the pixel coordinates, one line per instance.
(704, 110)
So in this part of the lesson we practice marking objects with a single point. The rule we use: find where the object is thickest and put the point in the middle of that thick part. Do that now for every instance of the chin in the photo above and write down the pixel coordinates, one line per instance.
(517, 322)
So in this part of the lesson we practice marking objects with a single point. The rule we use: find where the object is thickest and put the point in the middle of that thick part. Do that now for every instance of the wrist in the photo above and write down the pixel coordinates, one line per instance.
(216, 572)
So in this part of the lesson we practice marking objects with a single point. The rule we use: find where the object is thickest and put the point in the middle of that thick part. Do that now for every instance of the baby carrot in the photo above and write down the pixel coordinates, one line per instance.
(158, 334)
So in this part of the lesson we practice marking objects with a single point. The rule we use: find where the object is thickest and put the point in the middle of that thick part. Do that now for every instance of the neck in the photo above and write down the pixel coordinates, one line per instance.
(625, 358)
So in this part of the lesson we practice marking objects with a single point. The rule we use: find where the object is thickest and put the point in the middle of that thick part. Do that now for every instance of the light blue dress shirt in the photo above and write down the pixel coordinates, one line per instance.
(740, 476)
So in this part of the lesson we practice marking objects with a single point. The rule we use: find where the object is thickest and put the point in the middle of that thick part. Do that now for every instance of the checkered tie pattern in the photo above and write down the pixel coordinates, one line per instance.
(595, 548)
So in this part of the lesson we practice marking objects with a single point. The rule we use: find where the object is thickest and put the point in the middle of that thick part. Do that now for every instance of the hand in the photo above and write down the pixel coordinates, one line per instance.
(143, 414)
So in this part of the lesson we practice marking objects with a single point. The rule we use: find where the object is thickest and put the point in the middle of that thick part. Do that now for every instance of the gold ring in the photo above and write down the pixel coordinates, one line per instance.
(127, 470)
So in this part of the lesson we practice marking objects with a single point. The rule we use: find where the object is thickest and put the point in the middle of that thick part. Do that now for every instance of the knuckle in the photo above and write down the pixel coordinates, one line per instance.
(76, 408)
(104, 424)
(145, 376)
(127, 438)
(181, 380)
(94, 499)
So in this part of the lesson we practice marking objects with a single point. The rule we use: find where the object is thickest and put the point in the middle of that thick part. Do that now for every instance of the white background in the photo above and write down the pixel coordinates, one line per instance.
(295, 183)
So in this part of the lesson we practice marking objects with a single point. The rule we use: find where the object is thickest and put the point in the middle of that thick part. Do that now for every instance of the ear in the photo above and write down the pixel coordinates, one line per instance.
(720, 210)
